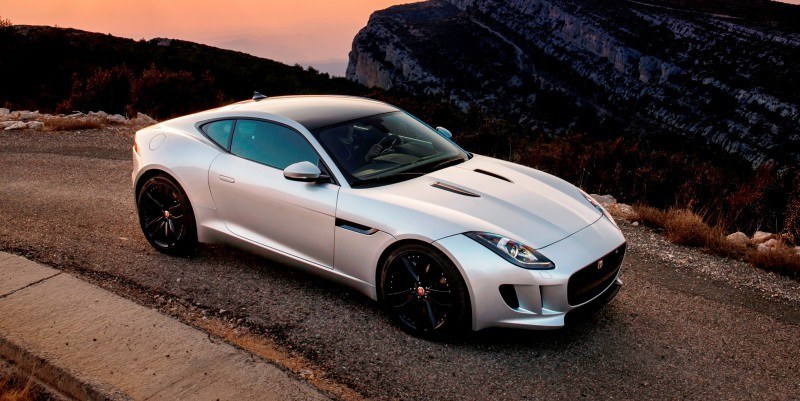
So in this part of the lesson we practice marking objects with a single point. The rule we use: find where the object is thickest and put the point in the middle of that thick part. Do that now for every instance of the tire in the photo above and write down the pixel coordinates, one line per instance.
(424, 293)
(166, 216)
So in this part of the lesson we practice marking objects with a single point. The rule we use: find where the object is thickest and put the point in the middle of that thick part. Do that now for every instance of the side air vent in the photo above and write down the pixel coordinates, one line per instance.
(490, 174)
(359, 228)
(455, 190)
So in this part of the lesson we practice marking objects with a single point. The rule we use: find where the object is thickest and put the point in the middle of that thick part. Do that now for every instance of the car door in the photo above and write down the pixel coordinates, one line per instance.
(256, 202)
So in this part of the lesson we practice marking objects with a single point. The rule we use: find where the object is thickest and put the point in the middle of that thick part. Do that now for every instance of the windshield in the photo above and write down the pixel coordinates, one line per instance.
(387, 148)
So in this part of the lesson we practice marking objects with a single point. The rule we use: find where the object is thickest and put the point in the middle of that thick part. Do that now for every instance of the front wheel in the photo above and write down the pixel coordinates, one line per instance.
(166, 216)
(424, 292)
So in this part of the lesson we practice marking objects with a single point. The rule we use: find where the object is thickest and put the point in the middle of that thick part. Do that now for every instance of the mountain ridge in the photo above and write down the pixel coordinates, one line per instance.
(562, 66)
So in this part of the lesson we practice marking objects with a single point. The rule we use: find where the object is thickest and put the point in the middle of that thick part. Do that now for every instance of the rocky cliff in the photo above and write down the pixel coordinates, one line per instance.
(600, 67)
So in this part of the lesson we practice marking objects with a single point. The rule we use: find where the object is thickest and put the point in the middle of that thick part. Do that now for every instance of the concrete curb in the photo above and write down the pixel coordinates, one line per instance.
(91, 344)
(61, 379)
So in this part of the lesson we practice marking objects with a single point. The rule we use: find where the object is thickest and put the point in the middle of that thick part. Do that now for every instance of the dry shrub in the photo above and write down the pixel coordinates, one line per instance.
(106, 89)
(791, 225)
(650, 216)
(782, 259)
(5, 22)
(71, 124)
(14, 388)
(684, 227)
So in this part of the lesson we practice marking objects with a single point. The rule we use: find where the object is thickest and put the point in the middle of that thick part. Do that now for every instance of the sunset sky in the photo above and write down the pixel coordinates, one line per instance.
(296, 31)
(317, 32)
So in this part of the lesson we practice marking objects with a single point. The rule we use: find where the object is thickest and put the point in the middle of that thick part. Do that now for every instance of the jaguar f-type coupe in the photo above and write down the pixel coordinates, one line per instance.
(370, 196)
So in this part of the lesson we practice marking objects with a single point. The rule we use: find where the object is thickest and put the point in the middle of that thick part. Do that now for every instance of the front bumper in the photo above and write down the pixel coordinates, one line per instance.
(542, 296)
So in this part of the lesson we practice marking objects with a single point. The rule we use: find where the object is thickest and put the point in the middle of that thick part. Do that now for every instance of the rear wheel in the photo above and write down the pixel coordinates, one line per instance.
(166, 216)
(424, 292)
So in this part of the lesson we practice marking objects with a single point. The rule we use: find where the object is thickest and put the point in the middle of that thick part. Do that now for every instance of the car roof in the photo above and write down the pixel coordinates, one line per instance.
(317, 111)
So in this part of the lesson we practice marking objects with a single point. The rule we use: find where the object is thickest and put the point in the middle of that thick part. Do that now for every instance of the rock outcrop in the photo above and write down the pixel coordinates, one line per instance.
(34, 120)
(595, 66)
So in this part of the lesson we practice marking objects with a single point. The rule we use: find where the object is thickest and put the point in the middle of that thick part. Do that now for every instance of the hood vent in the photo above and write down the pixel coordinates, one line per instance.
(490, 174)
(455, 190)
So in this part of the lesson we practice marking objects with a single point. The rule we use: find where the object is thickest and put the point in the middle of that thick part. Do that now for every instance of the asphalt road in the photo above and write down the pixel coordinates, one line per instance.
(681, 327)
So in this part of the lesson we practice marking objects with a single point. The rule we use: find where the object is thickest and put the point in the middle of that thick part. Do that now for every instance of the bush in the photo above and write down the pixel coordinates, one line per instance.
(72, 124)
(783, 260)
(684, 227)
(651, 216)
(5, 22)
(106, 89)
(160, 93)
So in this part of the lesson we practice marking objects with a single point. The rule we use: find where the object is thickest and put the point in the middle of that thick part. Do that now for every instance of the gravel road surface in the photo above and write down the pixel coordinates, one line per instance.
(685, 324)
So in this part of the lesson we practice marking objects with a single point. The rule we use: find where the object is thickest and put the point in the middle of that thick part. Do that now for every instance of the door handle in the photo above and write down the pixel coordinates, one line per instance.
(227, 179)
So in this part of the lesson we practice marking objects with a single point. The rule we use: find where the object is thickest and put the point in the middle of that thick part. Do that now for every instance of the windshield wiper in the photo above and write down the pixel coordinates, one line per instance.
(387, 179)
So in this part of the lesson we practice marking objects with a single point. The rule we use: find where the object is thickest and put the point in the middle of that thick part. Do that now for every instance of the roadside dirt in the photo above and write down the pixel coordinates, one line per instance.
(685, 324)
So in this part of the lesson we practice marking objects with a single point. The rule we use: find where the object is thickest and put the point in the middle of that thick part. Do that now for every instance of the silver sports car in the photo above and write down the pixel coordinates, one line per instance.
(370, 196)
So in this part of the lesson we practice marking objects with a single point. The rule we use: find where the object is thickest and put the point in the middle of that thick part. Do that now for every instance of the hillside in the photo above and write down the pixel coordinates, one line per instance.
(57, 70)
(605, 68)
(43, 67)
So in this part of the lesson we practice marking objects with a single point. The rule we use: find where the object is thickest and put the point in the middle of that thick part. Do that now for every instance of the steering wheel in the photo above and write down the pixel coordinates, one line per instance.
(389, 142)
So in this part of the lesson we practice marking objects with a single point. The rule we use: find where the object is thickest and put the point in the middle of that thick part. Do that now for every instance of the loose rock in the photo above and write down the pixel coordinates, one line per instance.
(35, 125)
(738, 238)
(144, 119)
(17, 125)
(604, 200)
(762, 236)
(769, 245)
(29, 115)
(117, 118)
(623, 211)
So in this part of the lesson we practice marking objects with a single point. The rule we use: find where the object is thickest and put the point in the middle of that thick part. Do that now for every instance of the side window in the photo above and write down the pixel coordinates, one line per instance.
(219, 132)
(271, 144)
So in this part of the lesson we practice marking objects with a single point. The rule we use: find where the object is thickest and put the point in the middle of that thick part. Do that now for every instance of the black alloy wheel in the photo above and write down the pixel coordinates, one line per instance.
(166, 216)
(424, 292)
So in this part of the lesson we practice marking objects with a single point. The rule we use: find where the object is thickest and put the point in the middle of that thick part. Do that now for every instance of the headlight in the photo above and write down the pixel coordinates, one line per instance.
(599, 207)
(512, 251)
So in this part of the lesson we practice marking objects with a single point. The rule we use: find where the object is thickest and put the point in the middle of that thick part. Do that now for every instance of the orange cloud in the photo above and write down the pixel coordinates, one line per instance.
(289, 31)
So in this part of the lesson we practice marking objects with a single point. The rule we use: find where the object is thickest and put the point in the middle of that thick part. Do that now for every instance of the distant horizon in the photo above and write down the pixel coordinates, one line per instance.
(318, 33)
(314, 33)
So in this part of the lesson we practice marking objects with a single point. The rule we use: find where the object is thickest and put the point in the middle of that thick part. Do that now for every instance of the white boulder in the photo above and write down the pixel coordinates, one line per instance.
(35, 125)
(768, 245)
(16, 125)
(76, 115)
(604, 200)
(4, 111)
(762, 236)
(29, 115)
(738, 238)
(144, 119)
(98, 114)
(622, 211)
(6, 124)
(116, 118)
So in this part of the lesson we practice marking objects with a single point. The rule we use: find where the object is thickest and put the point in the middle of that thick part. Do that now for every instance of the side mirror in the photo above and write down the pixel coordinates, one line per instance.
(305, 172)
(445, 132)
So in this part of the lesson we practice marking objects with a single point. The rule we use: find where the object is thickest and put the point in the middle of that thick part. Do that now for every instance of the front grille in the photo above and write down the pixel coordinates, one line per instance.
(590, 281)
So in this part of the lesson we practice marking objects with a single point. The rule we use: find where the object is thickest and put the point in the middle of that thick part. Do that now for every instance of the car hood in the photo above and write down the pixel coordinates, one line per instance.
(482, 194)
